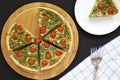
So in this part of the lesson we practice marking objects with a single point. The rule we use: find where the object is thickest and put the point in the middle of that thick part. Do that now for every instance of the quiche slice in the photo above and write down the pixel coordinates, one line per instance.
(49, 55)
(27, 58)
(60, 37)
(18, 36)
(48, 20)
(104, 8)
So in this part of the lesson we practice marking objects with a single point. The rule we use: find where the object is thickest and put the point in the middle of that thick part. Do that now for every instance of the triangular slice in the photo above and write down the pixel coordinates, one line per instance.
(104, 8)
(18, 36)
(48, 20)
(49, 55)
(60, 37)
(27, 58)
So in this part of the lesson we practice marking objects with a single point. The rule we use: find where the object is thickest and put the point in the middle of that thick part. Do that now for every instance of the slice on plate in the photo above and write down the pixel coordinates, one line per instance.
(48, 20)
(104, 8)
(18, 36)
(27, 58)
(49, 55)
(60, 37)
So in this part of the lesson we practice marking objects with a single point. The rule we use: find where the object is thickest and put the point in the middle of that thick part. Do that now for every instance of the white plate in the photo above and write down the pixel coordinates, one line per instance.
(96, 26)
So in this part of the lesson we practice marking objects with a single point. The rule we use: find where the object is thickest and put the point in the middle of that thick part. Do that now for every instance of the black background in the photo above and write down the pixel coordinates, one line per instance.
(86, 40)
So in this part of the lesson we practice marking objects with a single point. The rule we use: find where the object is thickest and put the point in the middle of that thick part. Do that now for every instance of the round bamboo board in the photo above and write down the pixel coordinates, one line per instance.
(27, 16)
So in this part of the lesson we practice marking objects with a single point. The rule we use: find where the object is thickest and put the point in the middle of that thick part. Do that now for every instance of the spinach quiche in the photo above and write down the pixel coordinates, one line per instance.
(60, 37)
(49, 55)
(45, 50)
(48, 20)
(104, 8)
(27, 58)
(18, 36)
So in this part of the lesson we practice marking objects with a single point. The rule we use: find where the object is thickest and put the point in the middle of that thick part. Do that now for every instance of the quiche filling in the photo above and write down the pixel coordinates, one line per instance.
(49, 20)
(19, 37)
(103, 8)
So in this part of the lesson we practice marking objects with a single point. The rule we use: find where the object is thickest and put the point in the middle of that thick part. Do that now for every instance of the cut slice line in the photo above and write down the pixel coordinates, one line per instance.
(51, 31)
(38, 55)
(53, 44)
(22, 47)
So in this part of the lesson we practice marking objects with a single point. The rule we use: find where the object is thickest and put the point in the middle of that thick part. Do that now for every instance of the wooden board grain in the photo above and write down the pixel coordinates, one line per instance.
(27, 16)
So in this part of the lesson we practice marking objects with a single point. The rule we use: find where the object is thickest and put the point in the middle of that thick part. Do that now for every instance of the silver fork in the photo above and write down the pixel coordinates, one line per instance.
(96, 59)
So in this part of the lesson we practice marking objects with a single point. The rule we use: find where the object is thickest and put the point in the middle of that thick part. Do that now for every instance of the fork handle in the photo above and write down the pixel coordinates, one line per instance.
(96, 73)
(95, 76)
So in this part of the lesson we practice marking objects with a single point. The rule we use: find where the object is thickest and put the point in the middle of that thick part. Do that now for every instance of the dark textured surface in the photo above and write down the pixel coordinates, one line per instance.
(86, 41)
